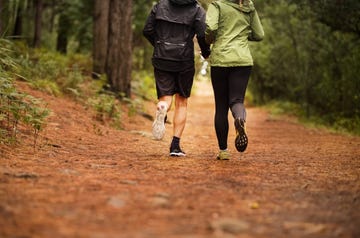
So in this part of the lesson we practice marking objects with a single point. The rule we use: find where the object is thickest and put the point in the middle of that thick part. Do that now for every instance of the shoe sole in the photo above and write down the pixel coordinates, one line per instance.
(218, 158)
(177, 154)
(158, 127)
(241, 140)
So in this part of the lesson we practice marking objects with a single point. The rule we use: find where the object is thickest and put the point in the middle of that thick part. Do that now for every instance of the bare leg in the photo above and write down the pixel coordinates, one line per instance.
(179, 115)
(168, 99)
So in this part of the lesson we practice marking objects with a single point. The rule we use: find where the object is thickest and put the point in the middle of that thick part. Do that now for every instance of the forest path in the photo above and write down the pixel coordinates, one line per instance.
(89, 180)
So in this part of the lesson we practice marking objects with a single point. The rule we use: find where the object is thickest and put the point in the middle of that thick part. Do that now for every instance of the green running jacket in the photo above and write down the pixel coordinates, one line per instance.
(229, 27)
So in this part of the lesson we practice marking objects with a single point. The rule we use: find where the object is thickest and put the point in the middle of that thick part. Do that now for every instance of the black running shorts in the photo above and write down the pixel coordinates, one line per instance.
(170, 83)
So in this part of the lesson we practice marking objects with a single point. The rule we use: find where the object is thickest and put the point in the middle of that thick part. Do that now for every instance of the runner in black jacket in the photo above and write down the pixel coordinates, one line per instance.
(170, 28)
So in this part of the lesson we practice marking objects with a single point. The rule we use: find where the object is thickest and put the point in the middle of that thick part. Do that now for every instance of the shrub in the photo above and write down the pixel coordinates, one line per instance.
(16, 107)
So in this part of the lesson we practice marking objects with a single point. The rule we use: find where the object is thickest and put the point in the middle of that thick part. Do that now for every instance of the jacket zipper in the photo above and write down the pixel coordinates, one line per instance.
(169, 43)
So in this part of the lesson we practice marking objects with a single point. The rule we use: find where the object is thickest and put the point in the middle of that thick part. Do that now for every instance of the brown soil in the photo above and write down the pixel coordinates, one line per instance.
(85, 179)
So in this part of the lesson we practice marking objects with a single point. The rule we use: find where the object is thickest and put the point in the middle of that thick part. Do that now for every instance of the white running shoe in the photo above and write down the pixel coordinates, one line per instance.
(158, 127)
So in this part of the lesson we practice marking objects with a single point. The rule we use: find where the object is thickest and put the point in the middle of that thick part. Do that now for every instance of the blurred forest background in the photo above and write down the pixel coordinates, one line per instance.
(93, 50)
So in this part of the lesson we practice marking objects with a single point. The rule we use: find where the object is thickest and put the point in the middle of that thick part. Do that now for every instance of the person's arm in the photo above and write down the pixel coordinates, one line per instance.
(257, 31)
(212, 23)
(149, 28)
(200, 33)
(205, 48)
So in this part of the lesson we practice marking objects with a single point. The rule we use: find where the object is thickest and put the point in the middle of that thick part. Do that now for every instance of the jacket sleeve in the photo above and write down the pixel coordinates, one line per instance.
(212, 23)
(149, 28)
(257, 31)
(200, 33)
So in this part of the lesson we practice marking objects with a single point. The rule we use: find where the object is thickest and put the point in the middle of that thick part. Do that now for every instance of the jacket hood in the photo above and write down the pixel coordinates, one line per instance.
(246, 6)
(183, 2)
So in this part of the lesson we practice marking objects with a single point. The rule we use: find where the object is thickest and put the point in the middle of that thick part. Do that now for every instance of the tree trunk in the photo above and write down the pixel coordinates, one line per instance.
(18, 23)
(2, 8)
(62, 38)
(118, 65)
(51, 6)
(101, 29)
(38, 25)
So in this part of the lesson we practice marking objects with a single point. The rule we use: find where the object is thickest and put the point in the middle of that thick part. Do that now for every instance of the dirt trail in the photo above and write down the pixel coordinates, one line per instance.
(89, 180)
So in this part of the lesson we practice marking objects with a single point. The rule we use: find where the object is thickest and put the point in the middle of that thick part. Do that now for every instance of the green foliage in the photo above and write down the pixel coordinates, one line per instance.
(305, 62)
(143, 85)
(107, 108)
(78, 16)
(59, 74)
(108, 105)
(48, 86)
(284, 107)
(142, 50)
(339, 124)
(9, 13)
(348, 125)
(53, 72)
(15, 107)
(134, 105)
(338, 15)
(56, 74)
(69, 75)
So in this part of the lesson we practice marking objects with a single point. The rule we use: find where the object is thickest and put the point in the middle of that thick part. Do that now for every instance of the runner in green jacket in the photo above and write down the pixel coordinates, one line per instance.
(230, 24)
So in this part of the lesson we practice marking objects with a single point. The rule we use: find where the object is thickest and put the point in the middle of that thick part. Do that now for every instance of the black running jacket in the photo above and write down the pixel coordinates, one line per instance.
(171, 27)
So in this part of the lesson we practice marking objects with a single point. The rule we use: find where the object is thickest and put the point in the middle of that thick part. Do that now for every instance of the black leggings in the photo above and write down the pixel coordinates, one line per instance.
(229, 85)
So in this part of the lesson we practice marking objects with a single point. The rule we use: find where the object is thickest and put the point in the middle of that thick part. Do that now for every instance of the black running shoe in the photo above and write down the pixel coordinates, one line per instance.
(177, 152)
(241, 140)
